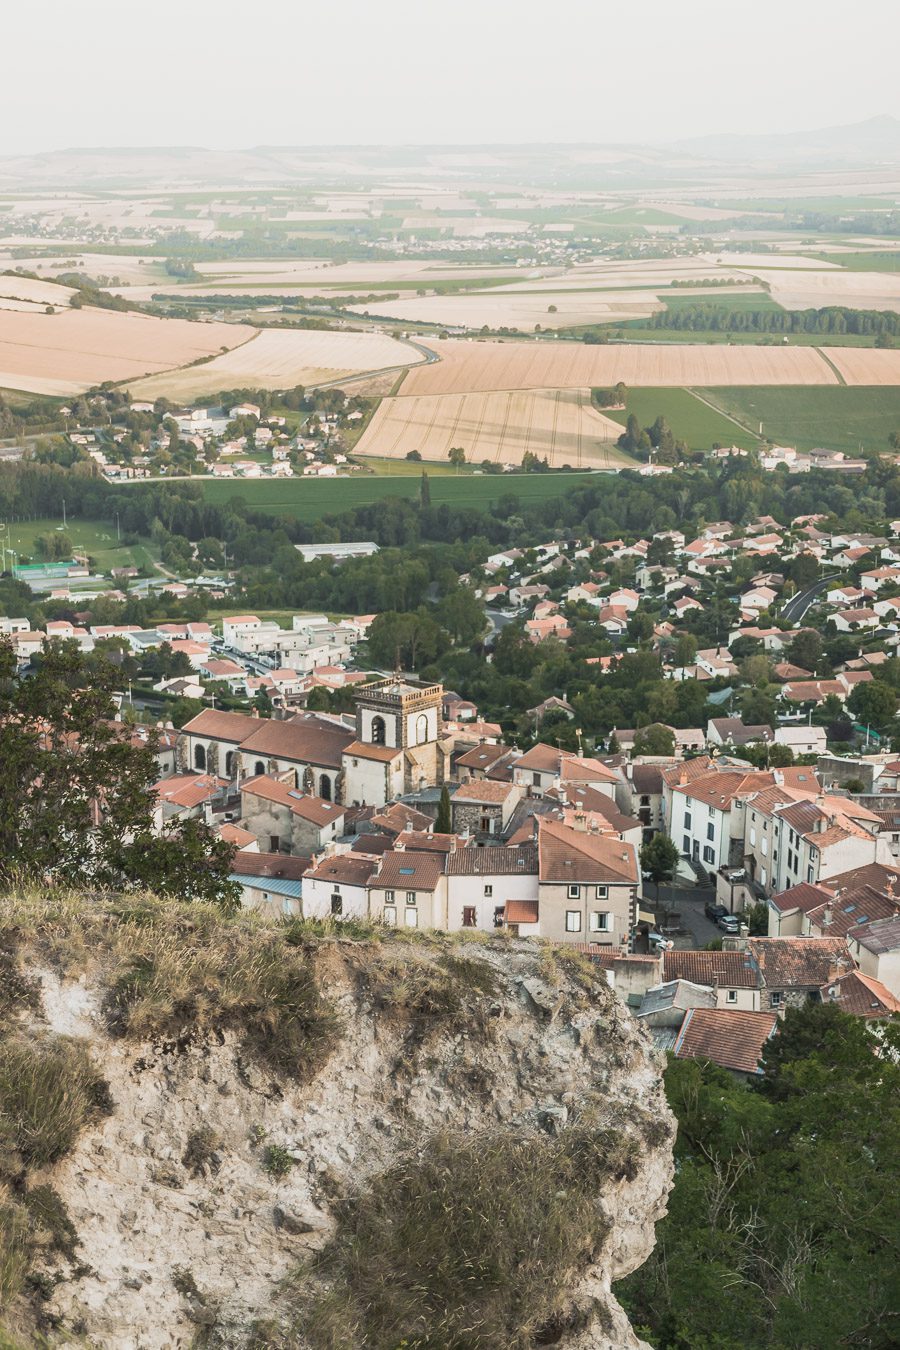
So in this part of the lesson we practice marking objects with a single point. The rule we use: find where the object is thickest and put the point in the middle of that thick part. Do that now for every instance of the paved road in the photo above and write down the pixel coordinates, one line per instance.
(795, 608)
(688, 902)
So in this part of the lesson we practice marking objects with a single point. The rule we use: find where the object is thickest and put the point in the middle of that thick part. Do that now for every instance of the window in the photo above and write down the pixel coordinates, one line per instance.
(573, 921)
(574, 892)
(488, 824)
(488, 892)
(600, 921)
(200, 757)
(259, 767)
(645, 801)
(765, 845)
(708, 855)
(412, 918)
(274, 843)
(535, 780)
(686, 844)
(379, 731)
(229, 764)
(421, 729)
(499, 916)
(410, 897)
(390, 915)
(468, 919)
(710, 831)
(752, 837)
(602, 892)
(731, 996)
(325, 787)
(337, 905)
(775, 998)
(687, 820)
(810, 874)
(389, 897)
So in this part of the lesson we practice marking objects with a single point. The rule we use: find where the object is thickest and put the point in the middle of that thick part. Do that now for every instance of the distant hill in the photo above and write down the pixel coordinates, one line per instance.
(874, 141)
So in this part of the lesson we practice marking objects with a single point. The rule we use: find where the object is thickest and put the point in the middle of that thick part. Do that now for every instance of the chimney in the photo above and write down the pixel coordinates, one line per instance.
(580, 821)
(827, 916)
(779, 777)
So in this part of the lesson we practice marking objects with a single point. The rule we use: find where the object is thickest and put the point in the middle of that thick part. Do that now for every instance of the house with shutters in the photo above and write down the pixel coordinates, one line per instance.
(486, 885)
(587, 884)
(286, 819)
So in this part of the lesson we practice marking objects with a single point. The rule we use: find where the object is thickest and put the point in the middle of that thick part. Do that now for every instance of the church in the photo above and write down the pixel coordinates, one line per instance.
(395, 746)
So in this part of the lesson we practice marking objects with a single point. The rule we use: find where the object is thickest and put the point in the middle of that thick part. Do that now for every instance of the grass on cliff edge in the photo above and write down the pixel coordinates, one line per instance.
(471, 1242)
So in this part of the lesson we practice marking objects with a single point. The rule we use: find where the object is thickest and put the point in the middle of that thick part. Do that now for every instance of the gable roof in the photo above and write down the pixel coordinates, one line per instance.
(213, 725)
(569, 855)
(493, 861)
(302, 804)
(729, 1038)
(879, 937)
(803, 896)
(405, 869)
(727, 970)
(304, 739)
(797, 962)
(347, 869)
(861, 996)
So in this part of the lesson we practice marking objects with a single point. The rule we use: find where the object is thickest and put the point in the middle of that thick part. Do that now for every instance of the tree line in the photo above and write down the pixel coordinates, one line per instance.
(833, 319)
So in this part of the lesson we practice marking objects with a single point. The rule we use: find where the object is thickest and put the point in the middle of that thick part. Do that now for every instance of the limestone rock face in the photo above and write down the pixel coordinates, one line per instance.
(212, 1179)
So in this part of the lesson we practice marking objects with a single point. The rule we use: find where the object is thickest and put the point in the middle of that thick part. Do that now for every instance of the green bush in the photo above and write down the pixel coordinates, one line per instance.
(472, 1244)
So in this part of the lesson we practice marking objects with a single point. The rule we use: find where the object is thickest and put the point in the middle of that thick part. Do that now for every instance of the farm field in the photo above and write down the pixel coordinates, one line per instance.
(836, 418)
(797, 289)
(523, 310)
(309, 501)
(279, 359)
(867, 366)
(471, 367)
(67, 352)
(559, 424)
(690, 418)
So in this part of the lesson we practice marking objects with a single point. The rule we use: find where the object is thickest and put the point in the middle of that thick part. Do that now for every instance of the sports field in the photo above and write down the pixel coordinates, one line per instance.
(95, 537)
(835, 418)
(309, 501)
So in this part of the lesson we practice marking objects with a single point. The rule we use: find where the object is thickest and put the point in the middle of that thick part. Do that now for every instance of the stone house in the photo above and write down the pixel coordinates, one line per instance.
(483, 808)
(286, 819)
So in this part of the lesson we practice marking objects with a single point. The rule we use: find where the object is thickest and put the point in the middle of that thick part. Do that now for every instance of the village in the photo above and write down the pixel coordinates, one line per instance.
(408, 808)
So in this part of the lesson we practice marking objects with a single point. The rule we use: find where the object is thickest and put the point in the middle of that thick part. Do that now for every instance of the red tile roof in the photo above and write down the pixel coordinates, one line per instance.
(797, 962)
(727, 970)
(732, 1039)
(861, 996)
(521, 911)
(569, 855)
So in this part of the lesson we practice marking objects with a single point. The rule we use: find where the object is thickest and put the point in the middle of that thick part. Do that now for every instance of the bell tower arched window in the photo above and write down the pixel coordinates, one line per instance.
(421, 729)
(379, 731)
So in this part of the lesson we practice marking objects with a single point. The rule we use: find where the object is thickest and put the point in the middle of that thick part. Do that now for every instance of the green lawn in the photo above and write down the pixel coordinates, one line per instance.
(310, 500)
(689, 419)
(98, 538)
(832, 416)
(872, 260)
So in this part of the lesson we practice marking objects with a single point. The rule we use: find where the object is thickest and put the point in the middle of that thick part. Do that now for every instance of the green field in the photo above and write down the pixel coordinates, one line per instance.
(689, 418)
(832, 416)
(872, 260)
(309, 501)
(411, 468)
(97, 538)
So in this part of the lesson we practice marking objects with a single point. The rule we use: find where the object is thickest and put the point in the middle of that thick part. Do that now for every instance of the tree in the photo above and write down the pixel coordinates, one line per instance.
(685, 653)
(659, 858)
(424, 492)
(805, 650)
(414, 455)
(457, 456)
(654, 740)
(873, 703)
(76, 799)
(443, 822)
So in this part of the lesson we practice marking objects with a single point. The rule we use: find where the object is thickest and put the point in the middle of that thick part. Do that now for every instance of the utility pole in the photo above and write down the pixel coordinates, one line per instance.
(118, 533)
(64, 512)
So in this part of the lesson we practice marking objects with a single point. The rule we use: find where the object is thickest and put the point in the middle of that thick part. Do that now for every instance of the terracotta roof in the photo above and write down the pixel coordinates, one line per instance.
(349, 869)
(483, 756)
(284, 866)
(521, 911)
(579, 769)
(647, 779)
(797, 962)
(733, 729)
(305, 739)
(569, 855)
(399, 816)
(382, 753)
(493, 861)
(728, 970)
(851, 908)
(803, 896)
(732, 1039)
(410, 871)
(221, 726)
(861, 996)
(595, 803)
(882, 877)
(302, 804)
(424, 842)
(234, 834)
(879, 937)
(187, 790)
(483, 790)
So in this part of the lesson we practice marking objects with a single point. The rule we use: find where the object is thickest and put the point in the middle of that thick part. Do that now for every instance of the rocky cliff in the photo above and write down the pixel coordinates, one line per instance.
(218, 1132)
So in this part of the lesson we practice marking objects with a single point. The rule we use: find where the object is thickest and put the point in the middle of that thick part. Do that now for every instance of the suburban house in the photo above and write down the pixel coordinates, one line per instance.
(587, 885)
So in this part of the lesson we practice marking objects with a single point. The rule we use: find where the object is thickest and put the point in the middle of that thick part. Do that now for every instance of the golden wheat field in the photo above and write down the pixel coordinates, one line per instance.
(279, 358)
(866, 365)
(69, 351)
(560, 424)
(467, 367)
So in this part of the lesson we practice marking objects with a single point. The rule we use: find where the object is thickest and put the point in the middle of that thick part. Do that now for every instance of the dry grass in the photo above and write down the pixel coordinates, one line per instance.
(49, 1092)
(472, 1242)
(468, 367)
(67, 352)
(559, 424)
(280, 359)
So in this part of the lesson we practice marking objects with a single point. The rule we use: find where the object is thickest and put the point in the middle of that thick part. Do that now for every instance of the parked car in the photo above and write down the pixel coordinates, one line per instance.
(729, 923)
(658, 943)
(714, 911)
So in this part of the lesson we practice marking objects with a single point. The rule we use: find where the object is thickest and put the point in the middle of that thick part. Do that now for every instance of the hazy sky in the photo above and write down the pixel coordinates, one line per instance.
(226, 74)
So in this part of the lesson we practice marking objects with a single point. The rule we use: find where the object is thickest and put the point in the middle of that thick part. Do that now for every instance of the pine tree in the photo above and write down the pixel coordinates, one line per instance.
(443, 822)
(424, 492)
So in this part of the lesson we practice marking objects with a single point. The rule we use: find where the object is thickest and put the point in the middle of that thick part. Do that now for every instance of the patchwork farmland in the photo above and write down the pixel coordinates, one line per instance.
(560, 424)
